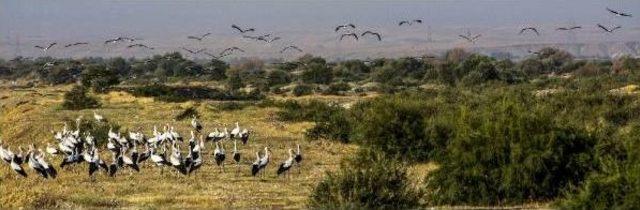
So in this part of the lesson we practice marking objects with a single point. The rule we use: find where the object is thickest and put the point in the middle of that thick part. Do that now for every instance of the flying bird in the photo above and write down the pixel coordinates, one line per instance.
(350, 25)
(272, 39)
(140, 45)
(119, 39)
(409, 22)
(76, 44)
(290, 47)
(535, 30)
(229, 51)
(199, 38)
(234, 26)
(264, 38)
(354, 35)
(470, 38)
(194, 51)
(609, 30)
(373, 34)
(618, 13)
(568, 28)
(45, 48)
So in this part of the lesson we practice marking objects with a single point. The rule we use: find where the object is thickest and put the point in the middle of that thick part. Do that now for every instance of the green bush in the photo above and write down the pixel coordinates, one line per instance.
(368, 181)
(394, 125)
(317, 73)
(331, 123)
(294, 111)
(337, 88)
(302, 90)
(231, 106)
(99, 78)
(510, 151)
(77, 99)
(617, 184)
(186, 93)
(187, 113)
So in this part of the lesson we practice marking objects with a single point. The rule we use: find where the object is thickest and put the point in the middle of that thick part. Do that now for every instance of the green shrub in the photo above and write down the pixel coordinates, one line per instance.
(294, 111)
(99, 78)
(231, 106)
(368, 181)
(331, 123)
(318, 73)
(77, 99)
(337, 88)
(617, 184)
(186, 93)
(394, 125)
(187, 113)
(301, 90)
(510, 151)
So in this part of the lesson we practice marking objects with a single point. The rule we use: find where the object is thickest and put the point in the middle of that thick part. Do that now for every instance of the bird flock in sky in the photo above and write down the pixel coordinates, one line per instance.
(75, 147)
(348, 30)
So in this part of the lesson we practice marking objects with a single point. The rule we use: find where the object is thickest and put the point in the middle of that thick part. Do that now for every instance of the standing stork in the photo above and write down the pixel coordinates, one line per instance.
(34, 164)
(51, 171)
(113, 167)
(176, 159)
(195, 124)
(255, 166)
(159, 158)
(236, 156)
(286, 165)
(264, 161)
(99, 118)
(298, 158)
(17, 168)
(235, 132)
(219, 156)
(244, 136)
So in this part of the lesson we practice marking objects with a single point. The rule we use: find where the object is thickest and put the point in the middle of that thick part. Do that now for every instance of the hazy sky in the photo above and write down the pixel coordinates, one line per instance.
(166, 23)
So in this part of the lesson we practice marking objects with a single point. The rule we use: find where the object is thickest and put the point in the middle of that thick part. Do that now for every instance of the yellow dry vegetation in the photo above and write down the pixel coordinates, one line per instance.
(28, 115)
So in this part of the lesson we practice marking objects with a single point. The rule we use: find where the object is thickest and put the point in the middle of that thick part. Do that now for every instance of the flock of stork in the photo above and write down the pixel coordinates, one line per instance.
(346, 30)
(75, 148)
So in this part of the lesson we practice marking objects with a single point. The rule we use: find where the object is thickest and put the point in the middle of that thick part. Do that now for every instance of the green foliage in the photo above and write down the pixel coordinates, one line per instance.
(187, 113)
(186, 93)
(216, 69)
(301, 90)
(295, 111)
(331, 122)
(617, 184)
(337, 88)
(510, 152)
(59, 72)
(77, 99)
(278, 77)
(393, 125)
(231, 106)
(368, 181)
(317, 73)
(234, 81)
(99, 78)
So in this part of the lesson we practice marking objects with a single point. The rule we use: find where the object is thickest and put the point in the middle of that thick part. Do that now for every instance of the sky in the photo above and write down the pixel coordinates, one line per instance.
(309, 24)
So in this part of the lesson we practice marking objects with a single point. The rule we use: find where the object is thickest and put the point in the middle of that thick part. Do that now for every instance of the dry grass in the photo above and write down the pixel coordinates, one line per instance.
(28, 115)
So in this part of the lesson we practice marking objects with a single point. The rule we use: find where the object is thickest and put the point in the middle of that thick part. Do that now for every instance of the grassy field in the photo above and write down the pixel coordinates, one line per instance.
(29, 114)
